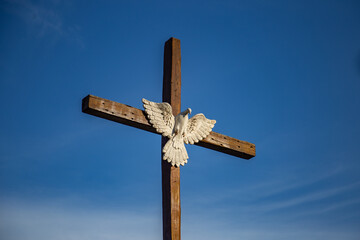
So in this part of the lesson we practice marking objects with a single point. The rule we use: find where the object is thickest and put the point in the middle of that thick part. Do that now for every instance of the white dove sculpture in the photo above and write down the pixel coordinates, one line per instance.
(179, 129)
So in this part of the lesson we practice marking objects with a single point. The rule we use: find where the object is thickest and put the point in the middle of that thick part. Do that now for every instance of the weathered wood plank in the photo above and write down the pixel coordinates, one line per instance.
(171, 174)
(116, 112)
(134, 117)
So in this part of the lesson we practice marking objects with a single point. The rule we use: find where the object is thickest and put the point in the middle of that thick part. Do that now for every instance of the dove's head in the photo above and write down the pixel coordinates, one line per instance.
(189, 110)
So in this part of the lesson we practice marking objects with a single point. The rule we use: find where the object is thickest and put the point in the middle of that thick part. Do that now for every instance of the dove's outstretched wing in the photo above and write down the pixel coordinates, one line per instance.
(198, 128)
(160, 116)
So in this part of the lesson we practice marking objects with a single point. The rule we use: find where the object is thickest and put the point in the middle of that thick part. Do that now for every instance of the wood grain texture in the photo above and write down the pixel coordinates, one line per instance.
(171, 174)
(135, 117)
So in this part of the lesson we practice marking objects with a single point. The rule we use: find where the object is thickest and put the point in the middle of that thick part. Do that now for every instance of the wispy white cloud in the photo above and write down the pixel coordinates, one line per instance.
(58, 220)
(265, 189)
(332, 207)
(306, 198)
(43, 221)
(303, 201)
(44, 20)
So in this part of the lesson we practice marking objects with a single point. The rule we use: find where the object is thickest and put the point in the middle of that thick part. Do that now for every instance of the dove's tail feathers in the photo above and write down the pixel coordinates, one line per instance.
(175, 152)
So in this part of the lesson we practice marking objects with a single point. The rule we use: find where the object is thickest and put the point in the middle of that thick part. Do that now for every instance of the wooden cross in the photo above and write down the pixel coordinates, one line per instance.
(136, 118)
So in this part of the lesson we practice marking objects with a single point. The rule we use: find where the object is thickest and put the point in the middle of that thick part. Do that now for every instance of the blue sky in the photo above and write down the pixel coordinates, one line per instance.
(284, 75)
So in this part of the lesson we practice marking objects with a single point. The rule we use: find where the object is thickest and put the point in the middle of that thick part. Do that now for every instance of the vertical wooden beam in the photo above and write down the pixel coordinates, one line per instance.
(170, 174)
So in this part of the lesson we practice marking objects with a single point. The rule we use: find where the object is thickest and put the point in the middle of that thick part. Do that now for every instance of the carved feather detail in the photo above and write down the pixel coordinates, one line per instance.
(198, 128)
(179, 129)
(160, 116)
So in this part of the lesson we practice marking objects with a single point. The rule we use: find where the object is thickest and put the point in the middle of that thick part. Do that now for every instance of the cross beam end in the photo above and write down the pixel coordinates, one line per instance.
(134, 117)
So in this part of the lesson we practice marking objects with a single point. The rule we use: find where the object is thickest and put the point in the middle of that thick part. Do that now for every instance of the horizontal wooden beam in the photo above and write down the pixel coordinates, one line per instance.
(134, 117)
